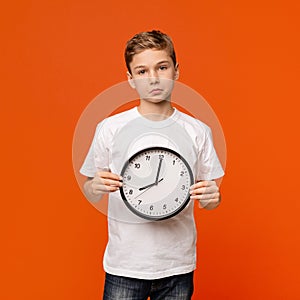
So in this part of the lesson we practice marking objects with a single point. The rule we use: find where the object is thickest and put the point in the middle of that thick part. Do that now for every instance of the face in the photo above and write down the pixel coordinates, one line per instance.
(153, 75)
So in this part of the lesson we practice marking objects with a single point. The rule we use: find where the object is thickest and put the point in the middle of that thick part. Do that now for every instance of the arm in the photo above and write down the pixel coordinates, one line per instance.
(104, 182)
(207, 192)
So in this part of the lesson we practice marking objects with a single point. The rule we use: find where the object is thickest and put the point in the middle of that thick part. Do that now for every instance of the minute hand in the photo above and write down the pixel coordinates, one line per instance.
(158, 171)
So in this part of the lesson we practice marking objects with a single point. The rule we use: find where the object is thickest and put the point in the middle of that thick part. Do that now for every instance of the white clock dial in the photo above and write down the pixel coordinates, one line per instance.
(156, 183)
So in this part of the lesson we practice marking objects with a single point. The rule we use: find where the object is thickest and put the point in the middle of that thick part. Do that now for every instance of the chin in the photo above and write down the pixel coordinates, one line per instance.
(154, 100)
(157, 99)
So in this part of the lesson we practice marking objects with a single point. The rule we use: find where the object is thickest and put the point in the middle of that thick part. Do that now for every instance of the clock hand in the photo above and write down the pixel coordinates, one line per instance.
(146, 188)
(158, 170)
(149, 185)
(156, 180)
(142, 192)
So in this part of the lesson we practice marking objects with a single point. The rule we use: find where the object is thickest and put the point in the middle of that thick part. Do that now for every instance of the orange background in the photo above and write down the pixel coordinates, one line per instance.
(242, 56)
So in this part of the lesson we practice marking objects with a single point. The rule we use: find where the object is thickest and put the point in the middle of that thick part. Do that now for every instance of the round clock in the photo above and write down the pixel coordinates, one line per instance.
(156, 183)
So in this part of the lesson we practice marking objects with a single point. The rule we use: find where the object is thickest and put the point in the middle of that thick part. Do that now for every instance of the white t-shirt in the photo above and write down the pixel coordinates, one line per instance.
(150, 249)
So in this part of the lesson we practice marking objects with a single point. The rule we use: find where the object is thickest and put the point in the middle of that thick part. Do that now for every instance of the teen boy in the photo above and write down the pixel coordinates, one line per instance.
(155, 259)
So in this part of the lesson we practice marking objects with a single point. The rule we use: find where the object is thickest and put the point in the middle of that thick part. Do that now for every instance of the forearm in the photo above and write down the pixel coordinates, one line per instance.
(104, 182)
(211, 204)
(207, 193)
(88, 191)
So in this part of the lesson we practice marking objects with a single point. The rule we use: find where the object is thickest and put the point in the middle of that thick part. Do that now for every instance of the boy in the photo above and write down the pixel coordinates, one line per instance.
(151, 259)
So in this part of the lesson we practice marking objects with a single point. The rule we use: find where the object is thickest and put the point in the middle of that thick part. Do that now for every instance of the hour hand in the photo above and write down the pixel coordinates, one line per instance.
(149, 185)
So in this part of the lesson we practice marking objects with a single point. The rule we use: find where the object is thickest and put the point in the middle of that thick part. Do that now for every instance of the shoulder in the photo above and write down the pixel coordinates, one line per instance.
(194, 125)
(117, 121)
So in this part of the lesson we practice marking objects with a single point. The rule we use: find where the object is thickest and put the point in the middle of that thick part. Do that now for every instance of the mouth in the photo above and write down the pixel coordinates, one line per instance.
(156, 91)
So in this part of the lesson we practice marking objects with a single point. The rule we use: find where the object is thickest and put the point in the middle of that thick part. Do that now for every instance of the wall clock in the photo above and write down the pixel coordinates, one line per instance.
(156, 183)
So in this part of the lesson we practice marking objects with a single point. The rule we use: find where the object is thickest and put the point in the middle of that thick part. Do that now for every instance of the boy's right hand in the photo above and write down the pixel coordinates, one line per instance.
(104, 182)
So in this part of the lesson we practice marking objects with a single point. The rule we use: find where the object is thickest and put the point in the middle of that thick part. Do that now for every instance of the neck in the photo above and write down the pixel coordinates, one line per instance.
(155, 111)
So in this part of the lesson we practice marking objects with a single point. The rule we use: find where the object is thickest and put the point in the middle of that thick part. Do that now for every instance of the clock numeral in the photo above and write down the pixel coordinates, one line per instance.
(183, 187)
(174, 162)
(151, 207)
(137, 166)
(128, 177)
(181, 173)
(147, 157)
(139, 202)
(130, 192)
(161, 156)
(176, 200)
(165, 206)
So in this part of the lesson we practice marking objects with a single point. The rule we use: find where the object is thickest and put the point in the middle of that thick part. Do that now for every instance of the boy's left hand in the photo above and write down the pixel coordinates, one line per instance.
(207, 192)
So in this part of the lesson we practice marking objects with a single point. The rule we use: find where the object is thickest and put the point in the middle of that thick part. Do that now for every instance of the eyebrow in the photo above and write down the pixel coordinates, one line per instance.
(163, 62)
(158, 63)
(139, 67)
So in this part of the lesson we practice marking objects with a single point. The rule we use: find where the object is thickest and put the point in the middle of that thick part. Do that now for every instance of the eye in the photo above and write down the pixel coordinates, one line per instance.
(141, 72)
(163, 68)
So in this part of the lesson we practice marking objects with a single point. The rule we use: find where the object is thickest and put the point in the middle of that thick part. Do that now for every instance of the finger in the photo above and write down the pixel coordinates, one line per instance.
(109, 175)
(206, 197)
(105, 185)
(107, 178)
(108, 188)
(213, 202)
(100, 188)
(205, 183)
(111, 182)
(204, 190)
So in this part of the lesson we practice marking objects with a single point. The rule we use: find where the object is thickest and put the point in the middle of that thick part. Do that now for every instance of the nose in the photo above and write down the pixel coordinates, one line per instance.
(153, 78)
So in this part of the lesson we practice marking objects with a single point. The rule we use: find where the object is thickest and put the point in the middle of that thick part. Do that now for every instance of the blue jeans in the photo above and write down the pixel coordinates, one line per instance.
(178, 287)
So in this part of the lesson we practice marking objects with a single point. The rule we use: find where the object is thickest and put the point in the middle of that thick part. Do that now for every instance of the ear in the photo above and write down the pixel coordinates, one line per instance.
(130, 80)
(176, 72)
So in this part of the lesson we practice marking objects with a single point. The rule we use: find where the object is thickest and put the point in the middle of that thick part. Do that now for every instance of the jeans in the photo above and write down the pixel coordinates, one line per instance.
(178, 287)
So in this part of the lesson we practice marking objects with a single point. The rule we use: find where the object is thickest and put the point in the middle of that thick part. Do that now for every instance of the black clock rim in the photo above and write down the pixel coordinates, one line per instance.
(164, 217)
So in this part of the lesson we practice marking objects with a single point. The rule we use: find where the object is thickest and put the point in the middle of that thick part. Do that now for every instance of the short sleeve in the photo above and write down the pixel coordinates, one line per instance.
(98, 156)
(208, 166)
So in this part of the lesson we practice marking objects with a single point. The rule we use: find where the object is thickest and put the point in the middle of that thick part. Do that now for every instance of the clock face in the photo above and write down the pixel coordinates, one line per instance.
(156, 183)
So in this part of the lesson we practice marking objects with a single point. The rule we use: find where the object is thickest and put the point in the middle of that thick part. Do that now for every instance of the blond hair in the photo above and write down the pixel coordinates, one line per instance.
(154, 39)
